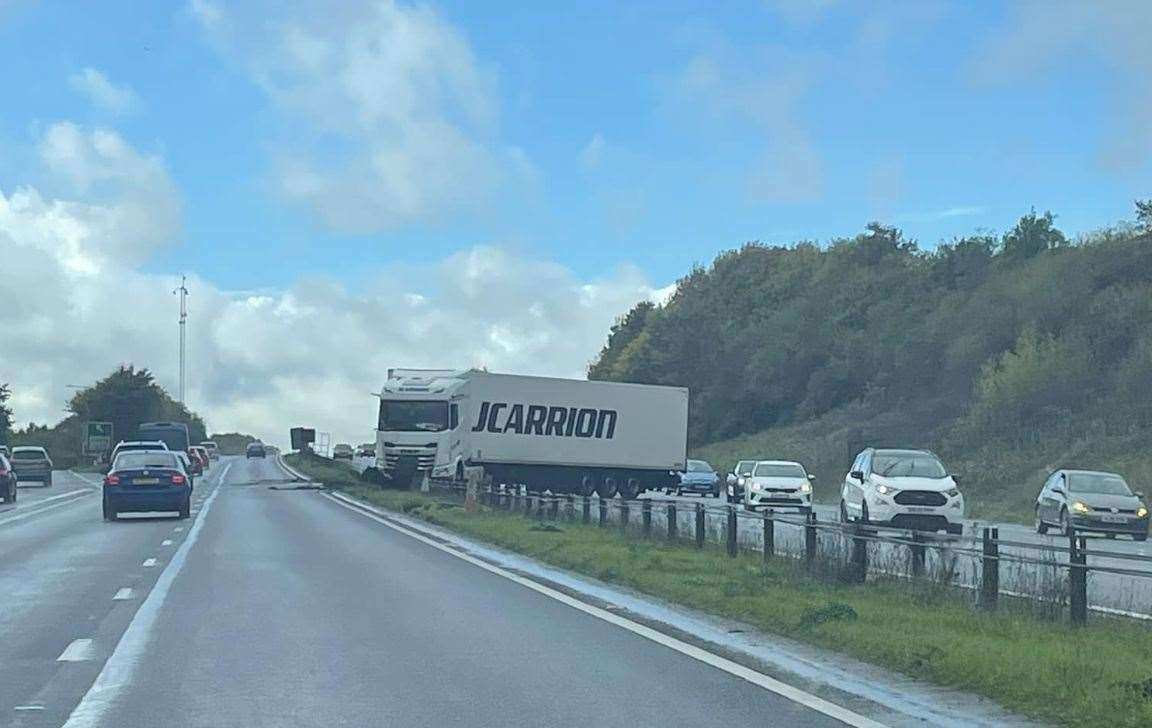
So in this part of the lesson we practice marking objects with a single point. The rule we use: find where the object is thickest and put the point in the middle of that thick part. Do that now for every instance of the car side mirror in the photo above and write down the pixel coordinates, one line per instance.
(955, 478)
(1140, 494)
(857, 475)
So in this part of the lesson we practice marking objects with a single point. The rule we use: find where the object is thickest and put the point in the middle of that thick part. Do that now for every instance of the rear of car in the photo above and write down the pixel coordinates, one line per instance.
(8, 480)
(146, 482)
(699, 477)
(212, 448)
(342, 452)
(255, 450)
(202, 453)
(195, 464)
(32, 463)
(778, 484)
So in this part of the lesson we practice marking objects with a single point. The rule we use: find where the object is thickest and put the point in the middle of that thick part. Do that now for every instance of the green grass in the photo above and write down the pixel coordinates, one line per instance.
(1097, 675)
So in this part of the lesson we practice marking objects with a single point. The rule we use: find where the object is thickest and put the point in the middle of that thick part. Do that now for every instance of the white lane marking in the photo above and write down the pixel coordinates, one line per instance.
(784, 690)
(118, 668)
(123, 594)
(84, 478)
(80, 650)
(28, 707)
(72, 496)
(178, 529)
(149, 562)
(166, 542)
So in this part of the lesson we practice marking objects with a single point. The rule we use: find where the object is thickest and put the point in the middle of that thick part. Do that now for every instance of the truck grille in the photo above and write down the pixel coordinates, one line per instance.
(417, 458)
(920, 498)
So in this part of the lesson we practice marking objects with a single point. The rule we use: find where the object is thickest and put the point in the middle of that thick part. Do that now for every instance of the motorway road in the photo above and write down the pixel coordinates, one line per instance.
(284, 608)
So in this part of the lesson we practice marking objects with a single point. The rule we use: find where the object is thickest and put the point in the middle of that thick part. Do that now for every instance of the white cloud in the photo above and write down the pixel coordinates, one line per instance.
(78, 302)
(389, 117)
(1037, 36)
(102, 92)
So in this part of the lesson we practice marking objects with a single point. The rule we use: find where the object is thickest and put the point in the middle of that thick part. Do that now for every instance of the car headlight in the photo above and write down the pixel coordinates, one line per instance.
(755, 487)
(1141, 512)
(952, 493)
(805, 487)
(1080, 507)
(740, 482)
(885, 489)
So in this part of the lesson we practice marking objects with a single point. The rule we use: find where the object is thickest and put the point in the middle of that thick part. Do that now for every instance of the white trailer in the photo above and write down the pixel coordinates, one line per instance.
(564, 435)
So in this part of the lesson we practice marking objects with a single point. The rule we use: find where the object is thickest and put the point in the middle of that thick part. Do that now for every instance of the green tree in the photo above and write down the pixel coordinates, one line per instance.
(1032, 235)
(5, 413)
(129, 396)
(1144, 214)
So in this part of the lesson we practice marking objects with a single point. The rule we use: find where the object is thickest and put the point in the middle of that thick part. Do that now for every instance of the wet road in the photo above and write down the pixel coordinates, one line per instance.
(283, 608)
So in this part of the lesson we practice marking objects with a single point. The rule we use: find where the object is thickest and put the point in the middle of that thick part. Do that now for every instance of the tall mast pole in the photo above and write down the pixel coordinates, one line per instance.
(183, 291)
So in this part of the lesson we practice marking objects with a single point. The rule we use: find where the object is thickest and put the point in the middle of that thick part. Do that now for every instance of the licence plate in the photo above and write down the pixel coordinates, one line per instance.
(1114, 519)
(921, 509)
(146, 481)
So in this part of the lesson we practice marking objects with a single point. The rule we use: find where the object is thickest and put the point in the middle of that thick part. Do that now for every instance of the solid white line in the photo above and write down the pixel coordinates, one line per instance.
(123, 593)
(117, 671)
(149, 562)
(166, 542)
(72, 496)
(784, 690)
(80, 650)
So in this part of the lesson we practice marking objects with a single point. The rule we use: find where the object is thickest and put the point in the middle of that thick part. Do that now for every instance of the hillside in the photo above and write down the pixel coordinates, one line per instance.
(1007, 355)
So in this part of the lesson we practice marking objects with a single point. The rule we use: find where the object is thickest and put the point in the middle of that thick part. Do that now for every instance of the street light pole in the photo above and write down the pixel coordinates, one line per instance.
(183, 291)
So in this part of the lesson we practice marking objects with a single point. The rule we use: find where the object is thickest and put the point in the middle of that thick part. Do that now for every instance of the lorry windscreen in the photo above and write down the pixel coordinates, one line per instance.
(408, 416)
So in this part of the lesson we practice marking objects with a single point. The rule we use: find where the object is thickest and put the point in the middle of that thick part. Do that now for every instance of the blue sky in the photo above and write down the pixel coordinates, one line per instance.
(363, 184)
(899, 120)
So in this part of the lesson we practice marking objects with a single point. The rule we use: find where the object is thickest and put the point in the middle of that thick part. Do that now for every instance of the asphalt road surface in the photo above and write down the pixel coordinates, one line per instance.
(279, 607)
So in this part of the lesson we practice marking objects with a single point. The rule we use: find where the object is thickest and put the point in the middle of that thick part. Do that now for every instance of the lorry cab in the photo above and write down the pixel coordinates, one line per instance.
(417, 417)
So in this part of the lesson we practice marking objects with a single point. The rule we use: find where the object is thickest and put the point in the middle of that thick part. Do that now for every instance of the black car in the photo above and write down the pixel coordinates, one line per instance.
(147, 481)
(8, 480)
(255, 450)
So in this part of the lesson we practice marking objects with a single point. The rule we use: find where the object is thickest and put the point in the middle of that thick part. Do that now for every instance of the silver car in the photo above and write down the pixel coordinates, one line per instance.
(32, 463)
(1090, 500)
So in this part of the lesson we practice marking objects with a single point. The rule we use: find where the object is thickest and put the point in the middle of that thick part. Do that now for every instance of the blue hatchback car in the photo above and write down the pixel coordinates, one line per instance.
(699, 477)
(143, 481)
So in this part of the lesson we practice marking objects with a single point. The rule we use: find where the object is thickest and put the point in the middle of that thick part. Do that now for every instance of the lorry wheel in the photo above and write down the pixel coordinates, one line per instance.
(630, 489)
(459, 472)
(607, 487)
(587, 486)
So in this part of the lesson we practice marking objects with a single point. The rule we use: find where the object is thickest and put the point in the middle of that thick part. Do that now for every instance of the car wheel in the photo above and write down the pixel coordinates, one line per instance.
(1139, 537)
(864, 513)
(186, 508)
(1041, 526)
(1065, 526)
(109, 512)
(844, 513)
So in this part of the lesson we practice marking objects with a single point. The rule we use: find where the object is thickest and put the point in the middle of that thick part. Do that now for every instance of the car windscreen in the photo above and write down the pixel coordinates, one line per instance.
(896, 464)
(779, 470)
(29, 455)
(1102, 483)
(699, 466)
(744, 467)
(408, 416)
(141, 460)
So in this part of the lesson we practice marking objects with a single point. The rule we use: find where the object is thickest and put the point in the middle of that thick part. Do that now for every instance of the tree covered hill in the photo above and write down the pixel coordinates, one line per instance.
(1003, 345)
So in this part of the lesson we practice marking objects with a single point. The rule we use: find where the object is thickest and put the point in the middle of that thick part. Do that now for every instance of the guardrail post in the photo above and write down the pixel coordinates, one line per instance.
(570, 507)
(990, 570)
(859, 554)
(673, 523)
(554, 508)
(586, 507)
(1077, 579)
(730, 532)
(623, 515)
(646, 517)
(769, 534)
(918, 553)
(810, 539)
(603, 511)
(699, 525)
(530, 505)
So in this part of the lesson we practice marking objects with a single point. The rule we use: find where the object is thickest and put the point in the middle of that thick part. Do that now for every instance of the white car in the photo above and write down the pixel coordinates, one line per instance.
(778, 484)
(907, 489)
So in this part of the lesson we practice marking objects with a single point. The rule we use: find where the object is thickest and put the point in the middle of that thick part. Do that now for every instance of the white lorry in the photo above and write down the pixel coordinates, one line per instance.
(563, 435)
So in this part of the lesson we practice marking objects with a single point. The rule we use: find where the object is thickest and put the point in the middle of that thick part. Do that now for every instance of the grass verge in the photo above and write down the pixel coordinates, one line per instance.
(1097, 675)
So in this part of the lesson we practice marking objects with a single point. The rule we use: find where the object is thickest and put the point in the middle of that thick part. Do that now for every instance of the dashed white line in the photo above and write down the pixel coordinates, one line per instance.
(178, 529)
(123, 594)
(166, 542)
(149, 562)
(28, 707)
(79, 650)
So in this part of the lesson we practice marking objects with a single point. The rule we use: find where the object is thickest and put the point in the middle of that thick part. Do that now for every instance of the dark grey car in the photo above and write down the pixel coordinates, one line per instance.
(1091, 500)
(32, 463)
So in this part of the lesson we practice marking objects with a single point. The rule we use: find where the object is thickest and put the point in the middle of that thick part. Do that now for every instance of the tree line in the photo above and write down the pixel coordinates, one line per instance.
(986, 336)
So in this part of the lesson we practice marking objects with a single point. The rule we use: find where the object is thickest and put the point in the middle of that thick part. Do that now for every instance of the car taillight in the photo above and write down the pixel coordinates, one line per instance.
(111, 480)
(3, 472)
(178, 479)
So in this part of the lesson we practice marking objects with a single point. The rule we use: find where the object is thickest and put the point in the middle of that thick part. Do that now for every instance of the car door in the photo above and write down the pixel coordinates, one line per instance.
(1059, 497)
(852, 492)
(1045, 499)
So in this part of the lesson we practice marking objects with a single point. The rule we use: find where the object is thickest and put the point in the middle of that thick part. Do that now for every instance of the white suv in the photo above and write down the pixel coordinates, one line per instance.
(903, 489)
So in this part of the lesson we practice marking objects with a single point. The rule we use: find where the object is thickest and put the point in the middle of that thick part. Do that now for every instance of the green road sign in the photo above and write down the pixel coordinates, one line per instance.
(97, 437)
